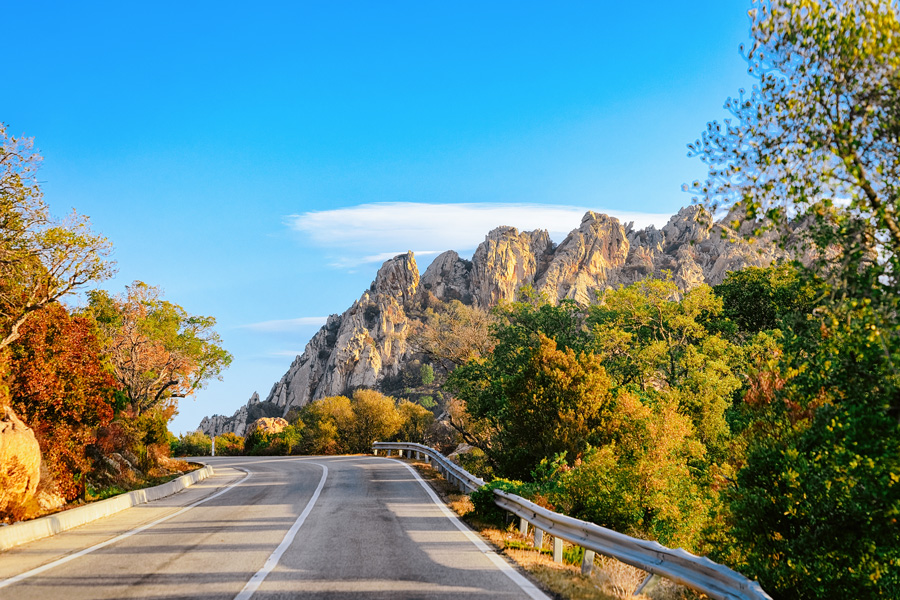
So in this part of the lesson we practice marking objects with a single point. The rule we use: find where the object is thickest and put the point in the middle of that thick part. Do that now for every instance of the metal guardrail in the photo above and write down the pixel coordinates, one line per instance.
(696, 572)
(465, 481)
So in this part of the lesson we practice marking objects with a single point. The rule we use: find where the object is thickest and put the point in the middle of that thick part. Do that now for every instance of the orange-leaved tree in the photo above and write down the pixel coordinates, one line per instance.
(60, 387)
(159, 352)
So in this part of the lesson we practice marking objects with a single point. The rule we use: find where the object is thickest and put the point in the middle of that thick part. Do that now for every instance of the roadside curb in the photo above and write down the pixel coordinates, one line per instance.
(28, 531)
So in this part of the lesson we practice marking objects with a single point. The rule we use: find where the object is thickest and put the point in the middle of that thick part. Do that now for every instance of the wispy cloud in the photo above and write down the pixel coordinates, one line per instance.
(370, 233)
(286, 325)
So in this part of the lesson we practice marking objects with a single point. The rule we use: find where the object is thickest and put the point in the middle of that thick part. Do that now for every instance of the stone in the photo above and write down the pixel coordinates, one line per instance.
(20, 463)
(267, 425)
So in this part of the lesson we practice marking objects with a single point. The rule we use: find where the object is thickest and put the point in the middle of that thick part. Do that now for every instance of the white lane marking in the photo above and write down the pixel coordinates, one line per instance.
(272, 561)
(529, 588)
(65, 559)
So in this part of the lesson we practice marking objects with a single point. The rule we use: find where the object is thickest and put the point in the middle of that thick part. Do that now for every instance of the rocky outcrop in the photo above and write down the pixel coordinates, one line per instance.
(237, 423)
(20, 464)
(366, 346)
(583, 263)
(267, 425)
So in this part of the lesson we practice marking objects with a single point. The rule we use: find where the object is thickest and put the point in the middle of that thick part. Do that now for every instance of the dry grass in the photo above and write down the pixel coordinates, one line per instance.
(610, 580)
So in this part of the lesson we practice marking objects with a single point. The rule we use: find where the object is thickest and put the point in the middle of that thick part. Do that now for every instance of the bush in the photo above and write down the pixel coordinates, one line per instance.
(195, 443)
(483, 499)
(229, 444)
(259, 442)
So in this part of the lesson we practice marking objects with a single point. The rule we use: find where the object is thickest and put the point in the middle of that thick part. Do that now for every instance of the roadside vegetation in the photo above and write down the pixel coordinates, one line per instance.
(756, 422)
(96, 384)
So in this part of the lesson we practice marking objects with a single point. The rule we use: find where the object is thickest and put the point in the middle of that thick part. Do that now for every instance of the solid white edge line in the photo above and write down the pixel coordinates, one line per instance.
(507, 569)
(271, 562)
(37, 571)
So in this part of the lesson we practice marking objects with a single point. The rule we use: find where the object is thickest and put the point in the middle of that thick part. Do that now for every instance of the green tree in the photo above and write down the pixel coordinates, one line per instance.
(41, 258)
(426, 374)
(375, 417)
(414, 421)
(535, 394)
(159, 352)
(229, 444)
(642, 481)
(285, 441)
(813, 510)
(325, 423)
(819, 126)
(651, 340)
(759, 299)
(193, 443)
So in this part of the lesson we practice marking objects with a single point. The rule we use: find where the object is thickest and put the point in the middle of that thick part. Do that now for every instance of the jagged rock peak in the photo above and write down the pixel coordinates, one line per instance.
(448, 277)
(398, 277)
(366, 346)
(582, 262)
(505, 261)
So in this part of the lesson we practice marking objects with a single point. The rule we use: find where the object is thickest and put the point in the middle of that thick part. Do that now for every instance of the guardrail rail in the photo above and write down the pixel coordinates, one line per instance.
(696, 572)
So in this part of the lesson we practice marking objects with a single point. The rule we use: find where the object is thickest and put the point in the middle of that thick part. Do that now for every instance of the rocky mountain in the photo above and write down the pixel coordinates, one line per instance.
(367, 345)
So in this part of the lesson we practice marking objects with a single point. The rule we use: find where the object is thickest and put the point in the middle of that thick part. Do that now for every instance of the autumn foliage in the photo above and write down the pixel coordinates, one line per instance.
(59, 386)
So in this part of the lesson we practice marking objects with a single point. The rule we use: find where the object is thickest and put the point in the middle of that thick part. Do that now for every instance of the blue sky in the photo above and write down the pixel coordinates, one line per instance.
(259, 160)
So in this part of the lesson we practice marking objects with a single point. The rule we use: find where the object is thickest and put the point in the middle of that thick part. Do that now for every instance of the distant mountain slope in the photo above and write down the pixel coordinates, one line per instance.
(367, 345)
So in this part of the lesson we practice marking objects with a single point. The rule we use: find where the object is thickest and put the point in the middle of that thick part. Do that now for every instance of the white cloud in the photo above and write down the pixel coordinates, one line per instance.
(370, 233)
(286, 325)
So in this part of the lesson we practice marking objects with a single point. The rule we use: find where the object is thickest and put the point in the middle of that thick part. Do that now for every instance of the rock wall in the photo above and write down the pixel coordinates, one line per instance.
(20, 464)
(368, 343)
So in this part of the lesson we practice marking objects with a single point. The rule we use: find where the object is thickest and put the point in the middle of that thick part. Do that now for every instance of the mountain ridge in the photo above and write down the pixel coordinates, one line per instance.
(368, 343)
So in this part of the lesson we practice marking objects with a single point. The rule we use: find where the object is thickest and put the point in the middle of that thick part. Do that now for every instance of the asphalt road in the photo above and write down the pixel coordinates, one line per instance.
(271, 527)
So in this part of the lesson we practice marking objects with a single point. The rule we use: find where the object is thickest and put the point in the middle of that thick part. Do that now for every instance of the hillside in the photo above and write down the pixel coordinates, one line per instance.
(368, 346)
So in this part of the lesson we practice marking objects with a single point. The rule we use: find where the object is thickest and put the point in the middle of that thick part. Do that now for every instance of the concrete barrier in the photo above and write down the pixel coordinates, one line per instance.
(28, 531)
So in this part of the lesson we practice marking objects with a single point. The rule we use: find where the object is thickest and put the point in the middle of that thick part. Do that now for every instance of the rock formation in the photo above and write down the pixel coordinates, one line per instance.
(20, 463)
(270, 425)
(366, 346)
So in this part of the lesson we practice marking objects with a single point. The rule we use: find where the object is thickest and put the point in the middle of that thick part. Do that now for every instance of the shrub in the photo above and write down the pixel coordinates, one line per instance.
(483, 499)
(195, 443)
(229, 444)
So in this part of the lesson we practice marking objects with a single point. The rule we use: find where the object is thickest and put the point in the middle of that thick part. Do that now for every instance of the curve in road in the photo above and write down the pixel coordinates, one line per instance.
(271, 527)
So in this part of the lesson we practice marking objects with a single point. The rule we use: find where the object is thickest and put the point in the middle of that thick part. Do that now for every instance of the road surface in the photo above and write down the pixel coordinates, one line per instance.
(352, 527)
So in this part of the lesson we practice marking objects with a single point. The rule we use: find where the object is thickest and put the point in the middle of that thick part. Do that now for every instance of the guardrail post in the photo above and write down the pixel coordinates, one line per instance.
(557, 549)
(389, 453)
(523, 526)
(538, 538)
(648, 584)
(587, 563)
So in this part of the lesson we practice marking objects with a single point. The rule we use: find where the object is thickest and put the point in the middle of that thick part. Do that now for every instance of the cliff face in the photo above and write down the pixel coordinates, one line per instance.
(367, 344)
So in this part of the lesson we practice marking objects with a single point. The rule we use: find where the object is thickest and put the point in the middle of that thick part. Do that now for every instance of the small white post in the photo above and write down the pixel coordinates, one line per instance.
(213, 436)
(587, 563)
(557, 549)
(523, 526)
(538, 538)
